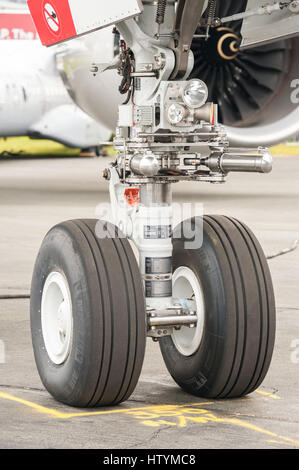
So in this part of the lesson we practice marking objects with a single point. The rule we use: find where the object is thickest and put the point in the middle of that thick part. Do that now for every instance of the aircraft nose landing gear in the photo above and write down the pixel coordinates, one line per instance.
(202, 290)
(210, 304)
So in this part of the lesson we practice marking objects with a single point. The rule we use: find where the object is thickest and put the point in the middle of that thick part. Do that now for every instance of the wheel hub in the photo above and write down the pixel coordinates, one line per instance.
(62, 320)
(187, 288)
(56, 317)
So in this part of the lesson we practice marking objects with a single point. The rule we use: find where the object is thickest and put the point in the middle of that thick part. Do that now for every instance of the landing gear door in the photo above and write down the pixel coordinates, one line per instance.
(59, 20)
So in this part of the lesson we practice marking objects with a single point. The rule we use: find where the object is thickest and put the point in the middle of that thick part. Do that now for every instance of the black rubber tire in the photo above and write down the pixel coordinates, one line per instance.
(109, 319)
(238, 339)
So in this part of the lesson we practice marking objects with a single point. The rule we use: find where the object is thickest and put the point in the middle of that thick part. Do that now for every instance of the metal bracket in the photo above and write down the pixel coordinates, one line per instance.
(187, 20)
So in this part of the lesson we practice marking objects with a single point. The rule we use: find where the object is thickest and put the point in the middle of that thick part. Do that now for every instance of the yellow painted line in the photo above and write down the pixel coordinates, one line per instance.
(273, 441)
(261, 430)
(184, 413)
(163, 408)
(210, 417)
(39, 408)
(59, 414)
(270, 395)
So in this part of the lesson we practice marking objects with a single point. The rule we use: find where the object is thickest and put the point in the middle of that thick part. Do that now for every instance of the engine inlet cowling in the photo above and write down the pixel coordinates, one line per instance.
(252, 87)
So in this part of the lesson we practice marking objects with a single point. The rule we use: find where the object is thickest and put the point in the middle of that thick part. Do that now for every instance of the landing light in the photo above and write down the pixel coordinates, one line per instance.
(195, 93)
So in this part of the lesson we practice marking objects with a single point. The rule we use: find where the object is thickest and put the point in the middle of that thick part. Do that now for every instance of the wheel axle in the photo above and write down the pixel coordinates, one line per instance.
(172, 318)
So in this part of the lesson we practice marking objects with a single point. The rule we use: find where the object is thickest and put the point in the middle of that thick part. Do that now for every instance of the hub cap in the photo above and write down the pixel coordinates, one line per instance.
(57, 318)
(187, 288)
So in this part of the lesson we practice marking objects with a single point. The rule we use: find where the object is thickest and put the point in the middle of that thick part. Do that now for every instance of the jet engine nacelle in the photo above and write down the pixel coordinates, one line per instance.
(251, 67)
(255, 83)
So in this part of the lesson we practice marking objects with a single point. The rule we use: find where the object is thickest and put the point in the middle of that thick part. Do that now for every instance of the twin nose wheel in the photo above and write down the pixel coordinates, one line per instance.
(88, 317)
(88, 314)
(234, 288)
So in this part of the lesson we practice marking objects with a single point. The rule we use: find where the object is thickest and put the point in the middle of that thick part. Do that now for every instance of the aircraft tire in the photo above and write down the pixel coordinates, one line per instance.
(87, 311)
(227, 281)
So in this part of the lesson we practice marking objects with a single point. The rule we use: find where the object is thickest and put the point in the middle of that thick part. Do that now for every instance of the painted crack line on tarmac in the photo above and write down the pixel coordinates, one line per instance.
(161, 415)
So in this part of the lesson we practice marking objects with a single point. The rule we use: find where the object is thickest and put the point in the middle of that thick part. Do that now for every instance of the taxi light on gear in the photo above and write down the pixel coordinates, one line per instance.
(176, 113)
(195, 93)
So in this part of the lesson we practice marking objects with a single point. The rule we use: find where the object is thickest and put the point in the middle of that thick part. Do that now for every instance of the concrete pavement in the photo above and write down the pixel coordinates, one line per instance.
(36, 194)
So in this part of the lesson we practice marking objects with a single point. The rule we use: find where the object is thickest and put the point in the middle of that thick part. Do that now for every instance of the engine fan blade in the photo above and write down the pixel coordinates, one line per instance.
(244, 82)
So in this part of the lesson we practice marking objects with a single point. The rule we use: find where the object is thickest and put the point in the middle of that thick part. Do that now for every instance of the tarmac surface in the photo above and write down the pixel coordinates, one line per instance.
(35, 194)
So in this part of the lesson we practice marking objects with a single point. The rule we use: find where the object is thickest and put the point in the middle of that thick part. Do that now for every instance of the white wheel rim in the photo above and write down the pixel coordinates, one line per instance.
(187, 288)
(57, 318)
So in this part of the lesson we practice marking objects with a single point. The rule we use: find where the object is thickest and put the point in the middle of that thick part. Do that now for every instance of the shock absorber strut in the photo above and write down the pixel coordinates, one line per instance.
(155, 243)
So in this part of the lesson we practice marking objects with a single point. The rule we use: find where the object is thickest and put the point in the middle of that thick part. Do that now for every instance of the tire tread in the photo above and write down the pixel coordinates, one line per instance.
(108, 284)
(239, 360)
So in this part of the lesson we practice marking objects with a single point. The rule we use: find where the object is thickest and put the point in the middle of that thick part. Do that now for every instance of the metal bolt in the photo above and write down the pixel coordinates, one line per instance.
(160, 61)
(106, 174)
(217, 22)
